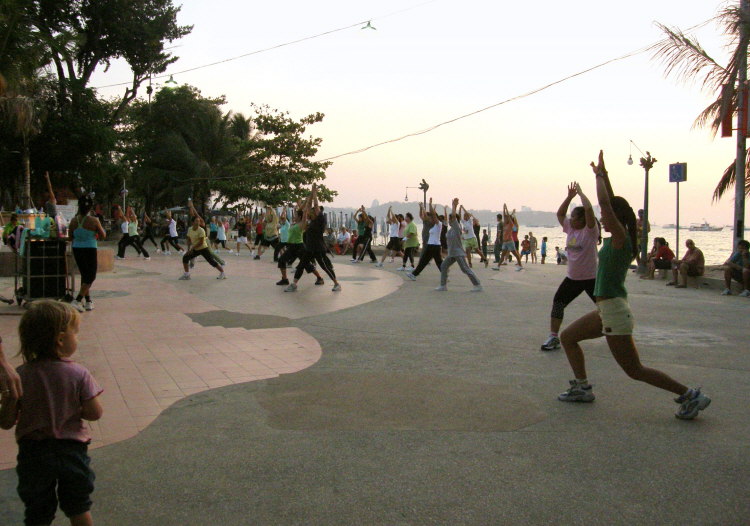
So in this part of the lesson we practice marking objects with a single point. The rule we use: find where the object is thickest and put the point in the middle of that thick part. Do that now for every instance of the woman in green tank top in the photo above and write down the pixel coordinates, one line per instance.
(613, 318)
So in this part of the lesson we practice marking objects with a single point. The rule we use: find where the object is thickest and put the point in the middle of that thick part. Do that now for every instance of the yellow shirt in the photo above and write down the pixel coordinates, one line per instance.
(197, 237)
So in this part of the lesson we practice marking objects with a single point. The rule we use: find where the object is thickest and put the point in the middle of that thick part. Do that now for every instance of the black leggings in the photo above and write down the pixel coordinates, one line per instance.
(429, 253)
(320, 256)
(291, 254)
(172, 241)
(148, 233)
(128, 240)
(205, 252)
(366, 247)
(87, 263)
(569, 290)
(409, 254)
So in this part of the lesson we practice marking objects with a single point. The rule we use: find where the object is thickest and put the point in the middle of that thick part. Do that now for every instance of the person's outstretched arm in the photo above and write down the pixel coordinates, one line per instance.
(589, 210)
(562, 212)
(604, 195)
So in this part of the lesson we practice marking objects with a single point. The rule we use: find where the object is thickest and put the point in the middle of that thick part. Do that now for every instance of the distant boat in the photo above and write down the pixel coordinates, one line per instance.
(705, 227)
(672, 225)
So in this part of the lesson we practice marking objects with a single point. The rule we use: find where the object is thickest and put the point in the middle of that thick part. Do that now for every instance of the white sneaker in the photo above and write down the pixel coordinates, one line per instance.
(352, 260)
(185, 276)
(691, 403)
(379, 265)
(168, 253)
(118, 257)
(409, 269)
(401, 269)
(411, 276)
(158, 251)
(89, 305)
(519, 268)
(577, 393)
(230, 251)
(336, 287)
(745, 294)
(441, 288)
(291, 288)
(726, 292)
(147, 258)
(221, 276)
(477, 288)
(77, 305)
(551, 344)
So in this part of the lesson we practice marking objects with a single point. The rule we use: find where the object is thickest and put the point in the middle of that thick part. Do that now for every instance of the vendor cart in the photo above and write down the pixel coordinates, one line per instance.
(42, 271)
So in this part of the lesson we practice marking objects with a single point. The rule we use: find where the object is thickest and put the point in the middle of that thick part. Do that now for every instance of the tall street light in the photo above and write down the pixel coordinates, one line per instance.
(647, 162)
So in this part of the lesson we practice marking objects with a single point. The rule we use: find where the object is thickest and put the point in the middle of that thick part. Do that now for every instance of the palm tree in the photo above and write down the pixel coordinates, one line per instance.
(685, 59)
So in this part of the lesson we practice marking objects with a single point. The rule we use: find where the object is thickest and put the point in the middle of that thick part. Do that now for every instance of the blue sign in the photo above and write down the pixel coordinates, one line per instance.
(678, 173)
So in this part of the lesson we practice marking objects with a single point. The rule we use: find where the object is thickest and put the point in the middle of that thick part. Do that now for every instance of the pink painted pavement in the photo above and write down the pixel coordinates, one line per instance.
(147, 353)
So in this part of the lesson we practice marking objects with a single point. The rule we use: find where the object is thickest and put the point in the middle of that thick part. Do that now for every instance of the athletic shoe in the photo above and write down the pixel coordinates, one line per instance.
(552, 344)
(158, 251)
(336, 288)
(379, 265)
(89, 305)
(118, 257)
(691, 403)
(236, 253)
(168, 253)
(519, 268)
(355, 261)
(77, 305)
(577, 393)
(441, 288)
(256, 257)
(745, 294)
(411, 276)
(320, 281)
(283, 282)
(477, 288)
(230, 251)
(185, 276)
(726, 292)
(401, 269)
(495, 268)
(291, 288)
(352, 260)
(221, 276)
(147, 258)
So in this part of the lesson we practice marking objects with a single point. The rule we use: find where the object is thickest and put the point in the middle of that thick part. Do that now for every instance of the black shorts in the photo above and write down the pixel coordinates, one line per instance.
(87, 263)
(662, 264)
(44, 464)
(212, 235)
(394, 243)
(269, 242)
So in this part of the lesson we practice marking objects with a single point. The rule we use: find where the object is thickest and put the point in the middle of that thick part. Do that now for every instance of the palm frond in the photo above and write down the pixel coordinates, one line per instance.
(728, 180)
(685, 59)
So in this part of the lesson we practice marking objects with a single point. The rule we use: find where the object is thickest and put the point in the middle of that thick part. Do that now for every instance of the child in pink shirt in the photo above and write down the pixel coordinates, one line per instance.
(58, 395)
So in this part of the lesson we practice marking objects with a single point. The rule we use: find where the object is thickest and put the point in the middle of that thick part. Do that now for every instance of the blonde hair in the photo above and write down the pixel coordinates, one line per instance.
(41, 326)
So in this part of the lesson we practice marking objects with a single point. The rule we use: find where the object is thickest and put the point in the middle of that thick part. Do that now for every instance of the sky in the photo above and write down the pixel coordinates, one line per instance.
(431, 61)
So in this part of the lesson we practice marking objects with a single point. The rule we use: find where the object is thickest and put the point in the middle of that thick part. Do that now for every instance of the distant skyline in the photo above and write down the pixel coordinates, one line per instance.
(440, 60)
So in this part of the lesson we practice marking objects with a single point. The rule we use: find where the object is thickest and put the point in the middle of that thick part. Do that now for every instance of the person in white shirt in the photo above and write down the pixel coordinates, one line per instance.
(394, 240)
(171, 235)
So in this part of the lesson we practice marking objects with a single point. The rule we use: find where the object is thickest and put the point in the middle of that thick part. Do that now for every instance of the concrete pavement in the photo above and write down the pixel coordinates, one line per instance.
(437, 408)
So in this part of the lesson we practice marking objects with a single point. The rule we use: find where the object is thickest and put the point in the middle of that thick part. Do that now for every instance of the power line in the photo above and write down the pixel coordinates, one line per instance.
(517, 97)
(277, 46)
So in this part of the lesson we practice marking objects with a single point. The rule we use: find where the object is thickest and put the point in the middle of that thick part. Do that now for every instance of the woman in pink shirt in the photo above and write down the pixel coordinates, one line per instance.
(583, 236)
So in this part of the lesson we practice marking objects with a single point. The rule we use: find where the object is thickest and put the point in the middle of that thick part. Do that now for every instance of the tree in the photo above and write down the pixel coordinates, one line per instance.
(82, 35)
(686, 59)
(183, 145)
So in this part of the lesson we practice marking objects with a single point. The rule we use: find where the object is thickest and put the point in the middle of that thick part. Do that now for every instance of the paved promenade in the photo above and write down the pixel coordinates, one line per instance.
(231, 402)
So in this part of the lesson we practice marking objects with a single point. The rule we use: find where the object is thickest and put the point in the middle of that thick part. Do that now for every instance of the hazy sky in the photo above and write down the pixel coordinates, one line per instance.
(441, 59)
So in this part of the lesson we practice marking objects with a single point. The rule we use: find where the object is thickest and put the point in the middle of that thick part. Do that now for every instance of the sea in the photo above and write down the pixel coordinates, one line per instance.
(716, 246)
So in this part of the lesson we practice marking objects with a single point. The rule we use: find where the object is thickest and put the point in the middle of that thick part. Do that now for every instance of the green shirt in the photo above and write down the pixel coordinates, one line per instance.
(411, 240)
(295, 235)
(613, 267)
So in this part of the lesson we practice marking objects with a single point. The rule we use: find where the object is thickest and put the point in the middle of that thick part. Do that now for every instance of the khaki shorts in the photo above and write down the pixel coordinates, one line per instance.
(470, 243)
(617, 319)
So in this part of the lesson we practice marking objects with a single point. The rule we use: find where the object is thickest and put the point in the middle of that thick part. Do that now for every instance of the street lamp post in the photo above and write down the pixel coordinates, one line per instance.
(646, 163)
